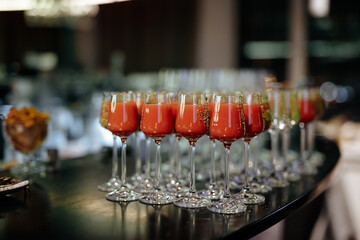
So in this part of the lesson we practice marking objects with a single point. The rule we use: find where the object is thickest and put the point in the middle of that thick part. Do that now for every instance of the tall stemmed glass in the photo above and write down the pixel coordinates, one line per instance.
(157, 122)
(192, 122)
(291, 117)
(176, 185)
(143, 182)
(259, 182)
(315, 159)
(277, 109)
(255, 124)
(123, 121)
(307, 107)
(138, 177)
(114, 182)
(227, 125)
(213, 191)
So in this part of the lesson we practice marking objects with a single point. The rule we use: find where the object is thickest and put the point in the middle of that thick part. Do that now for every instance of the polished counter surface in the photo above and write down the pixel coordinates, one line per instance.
(67, 205)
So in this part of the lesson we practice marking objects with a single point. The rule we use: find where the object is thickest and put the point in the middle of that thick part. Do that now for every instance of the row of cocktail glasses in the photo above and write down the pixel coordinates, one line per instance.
(223, 117)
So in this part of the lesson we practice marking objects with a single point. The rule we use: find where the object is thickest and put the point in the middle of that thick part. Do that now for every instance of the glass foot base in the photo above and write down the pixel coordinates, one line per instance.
(261, 188)
(293, 177)
(249, 197)
(211, 194)
(157, 198)
(227, 206)
(177, 191)
(309, 170)
(192, 200)
(123, 194)
(110, 185)
(278, 183)
(146, 186)
(216, 185)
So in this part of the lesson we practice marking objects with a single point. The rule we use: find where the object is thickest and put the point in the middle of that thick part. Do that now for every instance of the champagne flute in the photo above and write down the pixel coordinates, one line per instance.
(315, 159)
(254, 125)
(192, 123)
(123, 121)
(157, 122)
(291, 117)
(307, 107)
(277, 109)
(114, 182)
(227, 125)
(213, 191)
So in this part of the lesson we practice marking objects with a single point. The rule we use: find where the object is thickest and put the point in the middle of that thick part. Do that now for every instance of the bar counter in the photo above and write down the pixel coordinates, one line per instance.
(67, 205)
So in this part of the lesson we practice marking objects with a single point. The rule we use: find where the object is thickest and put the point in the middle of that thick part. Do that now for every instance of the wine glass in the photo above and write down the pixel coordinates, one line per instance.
(123, 121)
(317, 158)
(276, 101)
(254, 125)
(260, 184)
(213, 191)
(114, 182)
(192, 122)
(27, 129)
(175, 184)
(227, 125)
(291, 117)
(308, 113)
(157, 122)
(137, 178)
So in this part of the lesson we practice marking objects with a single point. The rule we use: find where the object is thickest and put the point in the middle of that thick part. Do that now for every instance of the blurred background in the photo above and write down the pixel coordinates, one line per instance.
(59, 55)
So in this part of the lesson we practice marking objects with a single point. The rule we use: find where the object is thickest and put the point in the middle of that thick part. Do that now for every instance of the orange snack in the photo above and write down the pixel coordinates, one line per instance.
(27, 128)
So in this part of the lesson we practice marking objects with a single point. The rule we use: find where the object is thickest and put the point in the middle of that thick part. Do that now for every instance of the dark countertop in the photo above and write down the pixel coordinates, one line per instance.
(67, 205)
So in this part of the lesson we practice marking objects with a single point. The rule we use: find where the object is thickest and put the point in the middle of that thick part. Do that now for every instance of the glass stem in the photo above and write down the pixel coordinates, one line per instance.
(226, 173)
(157, 162)
(192, 168)
(123, 161)
(115, 162)
(246, 159)
(147, 157)
(285, 143)
(255, 162)
(310, 138)
(212, 159)
(274, 148)
(137, 155)
(177, 159)
(302, 143)
(173, 156)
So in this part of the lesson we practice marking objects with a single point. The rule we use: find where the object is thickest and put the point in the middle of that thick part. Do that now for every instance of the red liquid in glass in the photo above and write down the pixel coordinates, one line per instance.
(191, 121)
(157, 120)
(174, 108)
(139, 105)
(253, 120)
(226, 124)
(307, 111)
(123, 118)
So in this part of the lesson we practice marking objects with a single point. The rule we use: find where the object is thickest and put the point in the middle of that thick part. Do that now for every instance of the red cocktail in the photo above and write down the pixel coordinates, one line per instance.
(123, 118)
(123, 121)
(253, 120)
(308, 111)
(192, 123)
(157, 122)
(227, 126)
